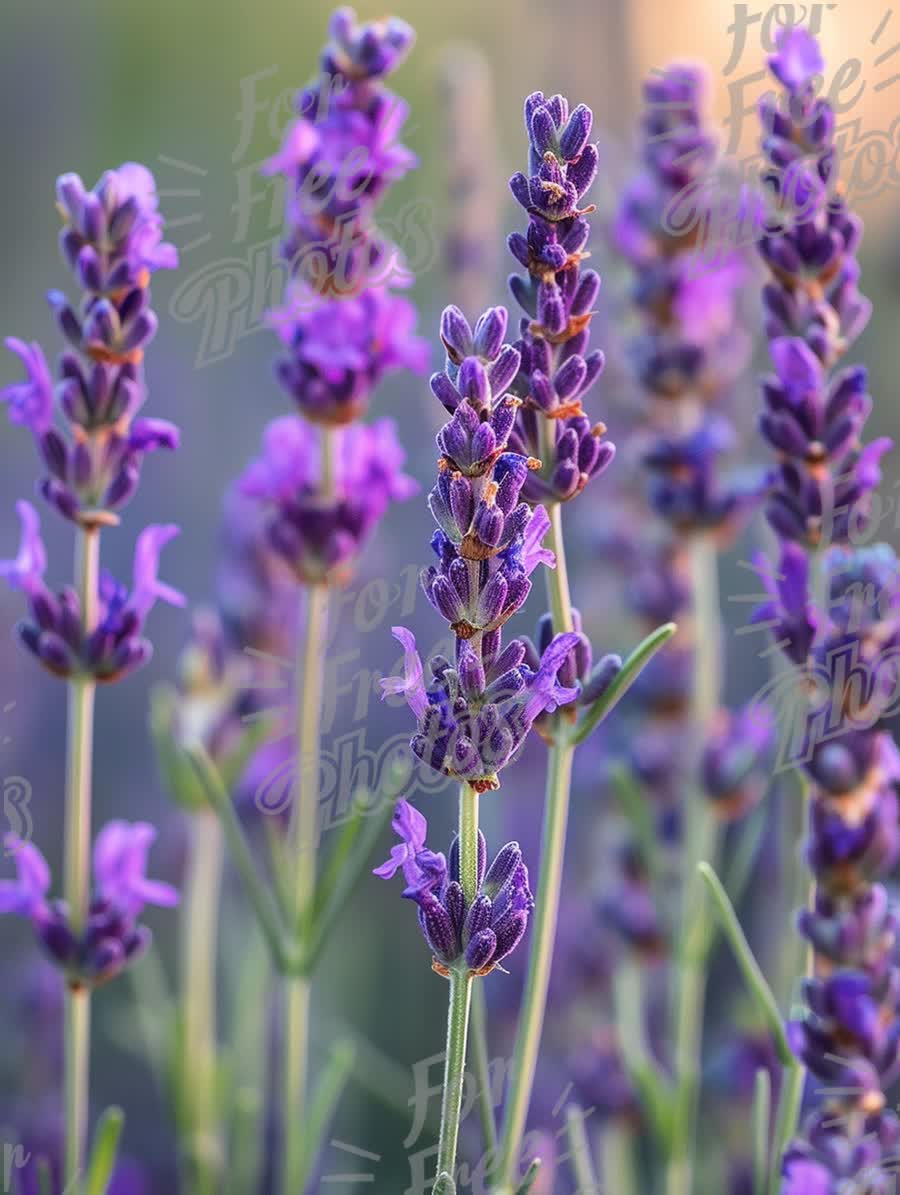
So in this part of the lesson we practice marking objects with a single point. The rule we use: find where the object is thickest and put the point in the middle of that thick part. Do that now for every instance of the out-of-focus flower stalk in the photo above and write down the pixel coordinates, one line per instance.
(79, 767)
(303, 842)
(199, 950)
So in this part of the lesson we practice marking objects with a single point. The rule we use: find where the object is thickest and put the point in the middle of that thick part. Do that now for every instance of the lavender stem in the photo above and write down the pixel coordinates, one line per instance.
(534, 1002)
(546, 911)
(302, 837)
(460, 992)
(700, 844)
(79, 751)
(198, 971)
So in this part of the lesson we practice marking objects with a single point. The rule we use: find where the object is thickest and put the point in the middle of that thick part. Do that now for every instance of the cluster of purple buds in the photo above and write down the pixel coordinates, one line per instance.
(557, 295)
(691, 343)
(338, 352)
(480, 707)
(111, 936)
(112, 239)
(478, 934)
(320, 534)
(845, 673)
(578, 672)
(340, 324)
(55, 633)
(821, 490)
(477, 711)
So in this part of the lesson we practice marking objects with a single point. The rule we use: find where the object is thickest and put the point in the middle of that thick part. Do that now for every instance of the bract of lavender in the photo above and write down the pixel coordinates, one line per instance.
(629, 1004)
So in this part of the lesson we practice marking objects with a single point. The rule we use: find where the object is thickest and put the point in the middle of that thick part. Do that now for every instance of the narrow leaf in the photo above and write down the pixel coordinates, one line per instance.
(104, 1151)
(750, 968)
(329, 1091)
(631, 670)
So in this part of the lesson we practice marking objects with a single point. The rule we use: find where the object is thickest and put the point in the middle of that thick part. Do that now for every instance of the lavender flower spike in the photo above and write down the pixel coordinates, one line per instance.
(88, 435)
(112, 937)
(480, 932)
(54, 633)
(849, 1034)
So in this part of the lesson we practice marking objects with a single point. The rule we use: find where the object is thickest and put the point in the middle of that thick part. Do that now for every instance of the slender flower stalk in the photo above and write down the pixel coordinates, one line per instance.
(199, 951)
(79, 770)
(556, 371)
(92, 444)
(325, 480)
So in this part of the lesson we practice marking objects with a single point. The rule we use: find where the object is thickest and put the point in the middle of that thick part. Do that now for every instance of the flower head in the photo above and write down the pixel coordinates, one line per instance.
(321, 535)
(111, 936)
(55, 634)
(476, 934)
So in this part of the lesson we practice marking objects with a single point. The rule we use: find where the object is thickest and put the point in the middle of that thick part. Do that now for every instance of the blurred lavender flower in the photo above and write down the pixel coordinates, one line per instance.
(341, 326)
(814, 312)
(849, 1034)
(112, 240)
(112, 936)
(55, 634)
(321, 535)
(340, 351)
(483, 931)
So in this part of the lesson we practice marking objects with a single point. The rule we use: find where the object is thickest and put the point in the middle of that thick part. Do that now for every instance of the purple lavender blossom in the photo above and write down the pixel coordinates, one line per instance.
(112, 937)
(848, 1035)
(477, 713)
(54, 634)
(341, 155)
(93, 446)
(557, 296)
(691, 345)
(319, 535)
(340, 350)
(480, 933)
(813, 418)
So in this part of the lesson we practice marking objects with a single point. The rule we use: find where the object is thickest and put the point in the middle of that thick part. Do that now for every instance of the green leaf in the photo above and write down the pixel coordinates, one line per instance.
(657, 1095)
(354, 850)
(630, 671)
(762, 1101)
(444, 1185)
(104, 1151)
(328, 1093)
(750, 968)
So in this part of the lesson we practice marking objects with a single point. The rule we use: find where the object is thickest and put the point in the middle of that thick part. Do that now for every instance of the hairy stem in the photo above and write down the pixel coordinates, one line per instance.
(79, 755)
(302, 835)
(546, 913)
(460, 991)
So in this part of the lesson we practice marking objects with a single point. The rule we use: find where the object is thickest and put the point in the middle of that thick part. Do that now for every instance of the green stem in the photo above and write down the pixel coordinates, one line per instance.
(543, 924)
(483, 1073)
(257, 893)
(198, 1058)
(580, 1152)
(617, 1141)
(79, 755)
(700, 843)
(310, 685)
(543, 933)
(460, 992)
